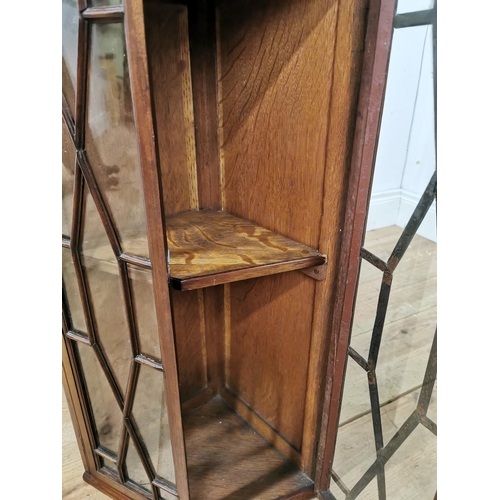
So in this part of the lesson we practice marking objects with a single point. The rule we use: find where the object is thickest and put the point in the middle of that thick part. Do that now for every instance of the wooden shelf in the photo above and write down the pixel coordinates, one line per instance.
(227, 459)
(209, 248)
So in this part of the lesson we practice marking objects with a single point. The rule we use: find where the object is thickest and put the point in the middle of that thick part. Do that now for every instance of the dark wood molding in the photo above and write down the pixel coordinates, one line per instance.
(373, 82)
(135, 260)
(246, 274)
(75, 409)
(111, 12)
(110, 490)
(351, 29)
(203, 53)
(139, 79)
(196, 401)
(68, 117)
(81, 82)
(78, 337)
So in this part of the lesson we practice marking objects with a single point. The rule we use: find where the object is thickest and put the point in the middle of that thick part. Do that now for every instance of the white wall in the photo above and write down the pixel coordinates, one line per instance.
(406, 156)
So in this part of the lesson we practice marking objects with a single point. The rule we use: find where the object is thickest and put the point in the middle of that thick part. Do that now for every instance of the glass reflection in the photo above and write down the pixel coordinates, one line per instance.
(108, 464)
(69, 50)
(68, 179)
(105, 409)
(406, 156)
(407, 337)
(141, 286)
(72, 292)
(135, 469)
(405, 6)
(150, 414)
(104, 3)
(405, 163)
(111, 140)
(105, 293)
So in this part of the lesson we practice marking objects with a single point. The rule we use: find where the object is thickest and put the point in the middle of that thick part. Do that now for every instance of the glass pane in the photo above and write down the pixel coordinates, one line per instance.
(150, 414)
(404, 166)
(414, 5)
(105, 409)
(366, 307)
(355, 449)
(69, 50)
(105, 293)
(72, 292)
(108, 464)
(68, 179)
(111, 136)
(141, 285)
(406, 152)
(94, 240)
(135, 469)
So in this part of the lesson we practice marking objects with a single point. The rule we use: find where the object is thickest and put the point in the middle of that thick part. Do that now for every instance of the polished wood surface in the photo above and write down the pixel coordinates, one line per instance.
(208, 248)
(190, 342)
(228, 459)
(167, 41)
(202, 43)
(268, 350)
(260, 425)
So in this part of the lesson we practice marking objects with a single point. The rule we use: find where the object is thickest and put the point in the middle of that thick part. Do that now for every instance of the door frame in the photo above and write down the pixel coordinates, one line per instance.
(368, 118)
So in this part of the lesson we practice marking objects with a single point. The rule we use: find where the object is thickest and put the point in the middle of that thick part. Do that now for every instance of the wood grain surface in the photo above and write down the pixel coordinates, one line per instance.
(228, 459)
(189, 320)
(287, 86)
(268, 350)
(167, 41)
(274, 88)
(347, 66)
(212, 244)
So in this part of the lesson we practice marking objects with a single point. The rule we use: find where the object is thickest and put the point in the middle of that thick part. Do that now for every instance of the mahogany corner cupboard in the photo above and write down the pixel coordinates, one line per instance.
(211, 155)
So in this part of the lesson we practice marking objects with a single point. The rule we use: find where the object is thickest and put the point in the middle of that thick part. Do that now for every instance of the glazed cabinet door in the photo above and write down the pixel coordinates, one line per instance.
(119, 358)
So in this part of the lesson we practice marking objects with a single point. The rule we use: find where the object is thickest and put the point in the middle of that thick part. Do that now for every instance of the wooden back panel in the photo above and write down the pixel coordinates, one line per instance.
(273, 89)
(275, 85)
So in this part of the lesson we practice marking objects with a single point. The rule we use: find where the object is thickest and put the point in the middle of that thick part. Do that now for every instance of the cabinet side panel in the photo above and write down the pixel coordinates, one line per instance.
(169, 64)
(275, 75)
(167, 37)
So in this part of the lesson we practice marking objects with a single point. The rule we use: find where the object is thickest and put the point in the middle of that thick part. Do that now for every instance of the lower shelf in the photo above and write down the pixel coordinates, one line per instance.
(228, 460)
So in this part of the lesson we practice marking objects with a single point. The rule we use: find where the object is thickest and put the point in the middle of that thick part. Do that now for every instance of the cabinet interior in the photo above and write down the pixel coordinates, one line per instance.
(242, 94)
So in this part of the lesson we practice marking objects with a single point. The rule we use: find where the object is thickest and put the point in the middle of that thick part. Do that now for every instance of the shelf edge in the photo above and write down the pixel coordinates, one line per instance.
(214, 279)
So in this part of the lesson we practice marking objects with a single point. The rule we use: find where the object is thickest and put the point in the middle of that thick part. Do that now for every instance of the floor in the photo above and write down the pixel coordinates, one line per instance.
(73, 486)
(409, 329)
(408, 333)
